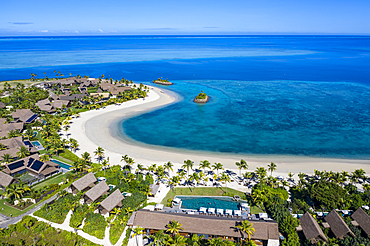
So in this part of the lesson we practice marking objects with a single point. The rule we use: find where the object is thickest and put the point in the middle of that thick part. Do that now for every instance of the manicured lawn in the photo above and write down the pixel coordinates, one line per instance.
(54, 180)
(6, 210)
(207, 191)
(67, 154)
(62, 159)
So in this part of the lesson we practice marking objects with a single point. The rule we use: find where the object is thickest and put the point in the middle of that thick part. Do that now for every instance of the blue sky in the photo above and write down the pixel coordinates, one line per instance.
(140, 17)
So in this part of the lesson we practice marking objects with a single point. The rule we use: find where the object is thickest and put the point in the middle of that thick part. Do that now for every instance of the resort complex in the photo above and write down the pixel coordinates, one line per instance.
(81, 190)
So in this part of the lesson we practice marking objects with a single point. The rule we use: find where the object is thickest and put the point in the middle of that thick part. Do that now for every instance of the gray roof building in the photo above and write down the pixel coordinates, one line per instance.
(112, 201)
(206, 225)
(96, 192)
(311, 228)
(83, 183)
(362, 219)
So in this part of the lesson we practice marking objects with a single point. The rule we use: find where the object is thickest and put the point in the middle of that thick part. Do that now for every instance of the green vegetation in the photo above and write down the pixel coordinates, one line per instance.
(7, 210)
(201, 96)
(78, 215)
(52, 180)
(57, 211)
(29, 231)
(95, 225)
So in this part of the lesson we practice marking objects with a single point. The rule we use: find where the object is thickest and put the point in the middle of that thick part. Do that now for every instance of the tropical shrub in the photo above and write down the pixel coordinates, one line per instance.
(29, 231)
(56, 212)
(326, 195)
(79, 214)
(95, 225)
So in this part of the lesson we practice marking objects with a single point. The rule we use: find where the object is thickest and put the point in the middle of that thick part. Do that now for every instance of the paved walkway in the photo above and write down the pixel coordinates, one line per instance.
(15, 220)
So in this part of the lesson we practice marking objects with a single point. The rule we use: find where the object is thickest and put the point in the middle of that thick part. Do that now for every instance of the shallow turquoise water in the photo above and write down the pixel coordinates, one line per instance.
(62, 164)
(262, 117)
(208, 202)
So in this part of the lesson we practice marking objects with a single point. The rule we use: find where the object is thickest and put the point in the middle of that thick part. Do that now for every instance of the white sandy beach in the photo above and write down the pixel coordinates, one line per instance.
(99, 128)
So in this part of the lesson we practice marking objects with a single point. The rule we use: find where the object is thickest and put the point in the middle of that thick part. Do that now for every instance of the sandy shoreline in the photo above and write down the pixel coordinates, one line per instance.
(102, 128)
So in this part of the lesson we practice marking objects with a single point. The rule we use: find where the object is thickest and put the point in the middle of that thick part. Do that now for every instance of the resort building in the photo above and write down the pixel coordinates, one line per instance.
(362, 219)
(5, 128)
(266, 232)
(311, 229)
(13, 145)
(112, 201)
(33, 165)
(50, 107)
(24, 116)
(337, 225)
(84, 183)
(113, 89)
(6, 180)
(96, 192)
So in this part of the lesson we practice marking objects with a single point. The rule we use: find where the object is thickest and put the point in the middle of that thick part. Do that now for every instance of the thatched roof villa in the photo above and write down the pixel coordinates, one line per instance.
(311, 228)
(83, 183)
(362, 219)
(337, 225)
(6, 180)
(210, 226)
(112, 201)
(96, 192)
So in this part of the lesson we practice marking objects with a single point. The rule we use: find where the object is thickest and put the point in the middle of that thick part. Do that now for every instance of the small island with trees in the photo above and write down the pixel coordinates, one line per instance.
(161, 81)
(201, 98)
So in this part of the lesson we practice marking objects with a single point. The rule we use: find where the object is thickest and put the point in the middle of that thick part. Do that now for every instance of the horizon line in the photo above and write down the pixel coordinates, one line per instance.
(187, 35)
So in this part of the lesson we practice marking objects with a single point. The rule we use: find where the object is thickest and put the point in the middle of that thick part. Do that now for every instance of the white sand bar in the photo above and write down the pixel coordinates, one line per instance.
(102, 127)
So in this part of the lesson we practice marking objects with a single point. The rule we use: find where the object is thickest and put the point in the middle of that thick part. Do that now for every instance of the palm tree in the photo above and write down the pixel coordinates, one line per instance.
(86, 157)
(225, 178)
(173, 182)
(168, 166)
(188, 164)
(205, 164)
(272, 167)
(73, 144)
(174, 227)
(290, 175)
(99, 152)
(23, 152)
(45, 158)
(16, 191)
(105, 164)
(159, 238)
(138, 231)
(246, 227)
(216, 241)
(2, 147)
(176, 240)
(194, 240)
(217, 166)
(116, 211)
(7, 158)
(261, 173)
(241, 165)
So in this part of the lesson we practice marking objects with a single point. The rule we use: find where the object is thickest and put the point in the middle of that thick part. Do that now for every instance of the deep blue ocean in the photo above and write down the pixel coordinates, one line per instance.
(285, 95)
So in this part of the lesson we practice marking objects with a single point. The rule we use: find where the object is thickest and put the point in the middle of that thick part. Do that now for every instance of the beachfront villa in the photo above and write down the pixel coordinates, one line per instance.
(32, 165)
(83, 184)
(266, 232)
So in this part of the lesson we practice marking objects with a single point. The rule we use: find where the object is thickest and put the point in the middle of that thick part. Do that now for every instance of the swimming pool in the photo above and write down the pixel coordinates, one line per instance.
(195, 202)
(38, 145)
(62, 164)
